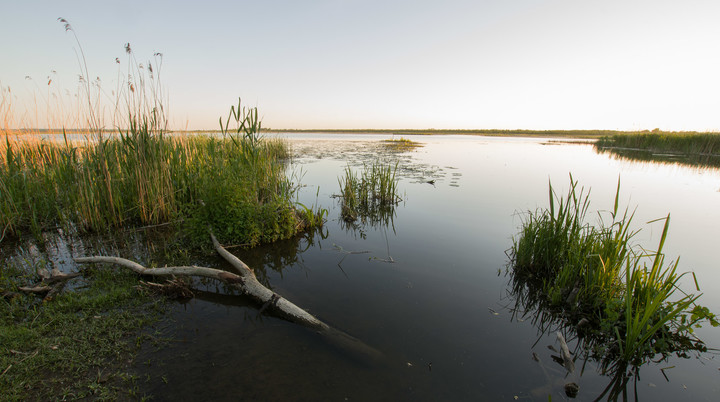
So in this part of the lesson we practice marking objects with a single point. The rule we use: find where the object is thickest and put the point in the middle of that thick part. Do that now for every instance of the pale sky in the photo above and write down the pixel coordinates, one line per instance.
(506, 64)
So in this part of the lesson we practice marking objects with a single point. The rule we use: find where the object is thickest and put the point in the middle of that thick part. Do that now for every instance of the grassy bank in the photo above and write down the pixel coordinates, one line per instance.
(235, 183)
(622, 300)
(77, 345)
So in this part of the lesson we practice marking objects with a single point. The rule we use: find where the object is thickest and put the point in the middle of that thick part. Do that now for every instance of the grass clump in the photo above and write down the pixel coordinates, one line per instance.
(622, 294)
(401, 144)
(370, 195)
(77, 345)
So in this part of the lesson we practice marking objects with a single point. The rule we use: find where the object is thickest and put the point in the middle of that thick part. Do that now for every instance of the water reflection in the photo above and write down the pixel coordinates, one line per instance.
(630, 154)
(590, 345)
(431, 306)
(278, 256)
(375, 217)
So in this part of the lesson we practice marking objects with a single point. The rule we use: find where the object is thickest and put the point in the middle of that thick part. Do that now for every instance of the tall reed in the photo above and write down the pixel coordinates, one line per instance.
(371, 195)
(562, 264)
(142, 175)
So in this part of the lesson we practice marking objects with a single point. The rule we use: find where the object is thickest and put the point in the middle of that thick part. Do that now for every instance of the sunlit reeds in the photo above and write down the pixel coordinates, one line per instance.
(136, 173)
(141, 179)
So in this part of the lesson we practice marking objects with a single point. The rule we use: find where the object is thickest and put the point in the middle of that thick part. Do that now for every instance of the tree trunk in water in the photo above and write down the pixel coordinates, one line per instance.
(247, 283)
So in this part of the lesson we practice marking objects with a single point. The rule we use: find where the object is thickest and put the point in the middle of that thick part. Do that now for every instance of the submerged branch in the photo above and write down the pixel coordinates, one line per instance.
(247, 283)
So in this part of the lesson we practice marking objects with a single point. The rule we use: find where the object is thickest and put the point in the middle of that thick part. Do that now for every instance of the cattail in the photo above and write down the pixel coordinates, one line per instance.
(67, 24)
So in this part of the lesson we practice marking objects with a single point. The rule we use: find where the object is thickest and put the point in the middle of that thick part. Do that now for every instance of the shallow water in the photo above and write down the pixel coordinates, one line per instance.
(431, 292)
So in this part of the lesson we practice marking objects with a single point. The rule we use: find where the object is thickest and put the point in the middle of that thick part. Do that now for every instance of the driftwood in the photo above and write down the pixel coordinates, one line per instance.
(51, 283)
(246, 282)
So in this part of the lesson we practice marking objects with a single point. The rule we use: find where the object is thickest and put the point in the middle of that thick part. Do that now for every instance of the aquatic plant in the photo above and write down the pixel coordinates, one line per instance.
(372, 195)
(401, 144)
(701, 149)
(619, 297)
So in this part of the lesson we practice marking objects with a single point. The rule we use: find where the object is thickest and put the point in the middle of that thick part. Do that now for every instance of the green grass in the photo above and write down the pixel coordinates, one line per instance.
(235, 183)
(692, 148)
(572, 270)
(139, 174)
(370, 195)
(77, 345)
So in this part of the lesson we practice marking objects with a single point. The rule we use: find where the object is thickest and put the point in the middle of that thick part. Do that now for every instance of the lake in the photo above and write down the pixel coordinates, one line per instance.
(429, 289)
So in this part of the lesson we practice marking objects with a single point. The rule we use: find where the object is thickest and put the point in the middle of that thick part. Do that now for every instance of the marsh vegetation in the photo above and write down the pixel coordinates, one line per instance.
(699, 149)
(136, 175)
(370, 195)
(619, 306)
(621, 302)
(142, 177)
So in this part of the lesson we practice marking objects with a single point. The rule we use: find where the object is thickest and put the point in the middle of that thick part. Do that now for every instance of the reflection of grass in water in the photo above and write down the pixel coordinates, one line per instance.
(701, 161)
(698, 149)
(592, 279)
(371, 195)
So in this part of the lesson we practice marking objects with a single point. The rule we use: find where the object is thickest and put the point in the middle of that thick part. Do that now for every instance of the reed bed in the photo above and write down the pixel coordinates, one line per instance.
(236, 184)
(618, 296)
(370, 195)
(137, 174)
(696, 148)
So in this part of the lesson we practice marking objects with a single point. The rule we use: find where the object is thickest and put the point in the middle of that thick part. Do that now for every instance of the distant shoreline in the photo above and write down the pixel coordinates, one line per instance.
(489, 132)
(484, 132)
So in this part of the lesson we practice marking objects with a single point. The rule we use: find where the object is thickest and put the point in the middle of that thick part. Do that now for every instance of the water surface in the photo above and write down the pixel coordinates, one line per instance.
(430, 290)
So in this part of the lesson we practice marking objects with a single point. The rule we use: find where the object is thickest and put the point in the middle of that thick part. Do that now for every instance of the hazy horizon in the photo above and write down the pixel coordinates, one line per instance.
(345, 64)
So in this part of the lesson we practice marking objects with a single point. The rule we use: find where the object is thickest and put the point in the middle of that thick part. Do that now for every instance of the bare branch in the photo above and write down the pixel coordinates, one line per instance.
(248, 284)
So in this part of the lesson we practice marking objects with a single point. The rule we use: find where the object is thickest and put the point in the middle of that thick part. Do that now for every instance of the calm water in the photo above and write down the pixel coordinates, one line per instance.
(440, 313)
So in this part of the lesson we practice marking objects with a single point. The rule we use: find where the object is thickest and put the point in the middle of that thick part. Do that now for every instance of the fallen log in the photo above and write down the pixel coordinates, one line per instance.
(246, 282)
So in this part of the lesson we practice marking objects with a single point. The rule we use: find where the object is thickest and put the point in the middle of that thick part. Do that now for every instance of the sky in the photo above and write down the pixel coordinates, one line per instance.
(335, 64)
